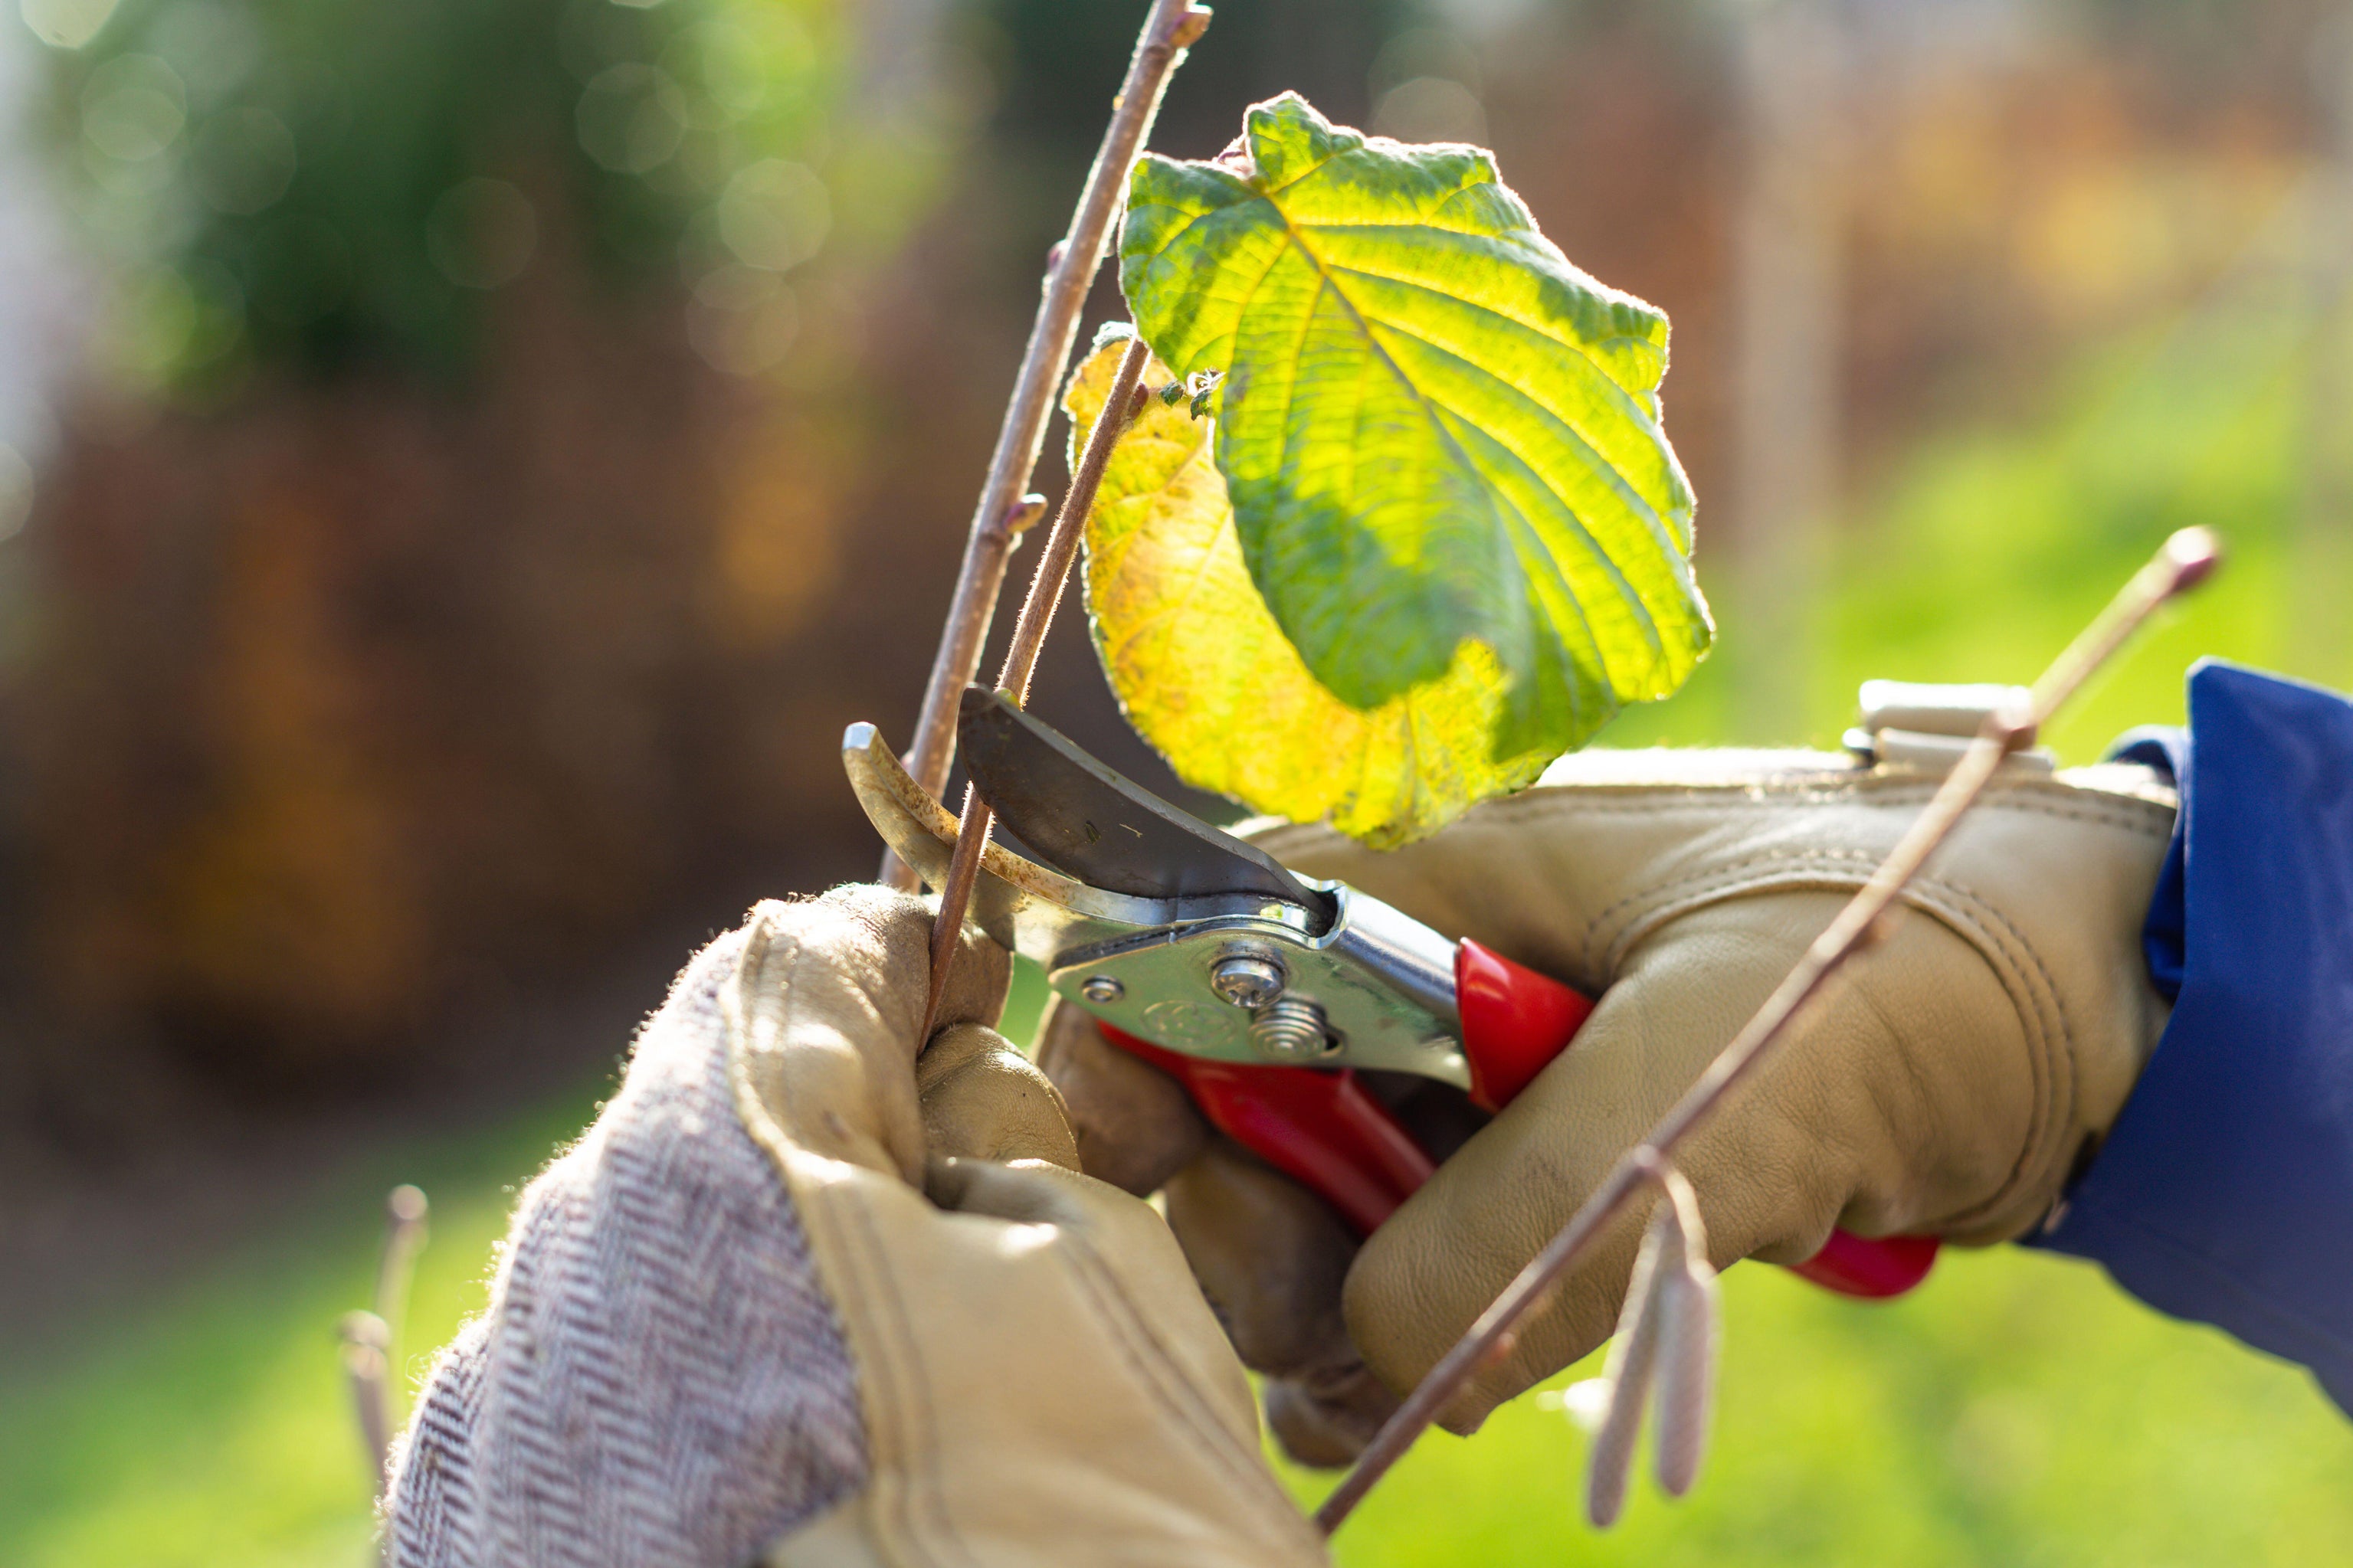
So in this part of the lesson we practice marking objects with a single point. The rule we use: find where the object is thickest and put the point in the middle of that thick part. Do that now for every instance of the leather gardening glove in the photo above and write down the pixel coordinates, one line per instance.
(803, 1297)
(1965, 1069)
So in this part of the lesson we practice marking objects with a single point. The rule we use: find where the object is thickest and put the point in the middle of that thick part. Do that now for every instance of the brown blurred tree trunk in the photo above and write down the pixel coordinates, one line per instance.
(350, 699)
(1787, 295)
(2321, 637)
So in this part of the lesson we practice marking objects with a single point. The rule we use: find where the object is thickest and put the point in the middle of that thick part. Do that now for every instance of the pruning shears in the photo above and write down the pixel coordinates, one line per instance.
(1266, 994)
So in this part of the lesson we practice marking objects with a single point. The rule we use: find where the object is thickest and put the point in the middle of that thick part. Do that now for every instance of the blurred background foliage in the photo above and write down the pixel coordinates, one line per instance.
(462, 463)
(431, 489)
(323, 189)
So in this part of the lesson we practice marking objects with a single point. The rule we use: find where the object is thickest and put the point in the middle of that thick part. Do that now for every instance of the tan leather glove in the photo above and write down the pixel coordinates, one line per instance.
(1970, 1066)
(1041, 1382)
(801, 1297)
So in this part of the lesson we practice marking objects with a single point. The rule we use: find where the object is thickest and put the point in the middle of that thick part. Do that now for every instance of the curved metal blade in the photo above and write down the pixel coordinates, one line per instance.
(1087, 821)
(1026, 907)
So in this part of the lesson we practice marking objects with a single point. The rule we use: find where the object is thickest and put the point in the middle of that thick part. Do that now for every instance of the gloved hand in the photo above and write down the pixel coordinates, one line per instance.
(1968, 1068)
(800, 1297)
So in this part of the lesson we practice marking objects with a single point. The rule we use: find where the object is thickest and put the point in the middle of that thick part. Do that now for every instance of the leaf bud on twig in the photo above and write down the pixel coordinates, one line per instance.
(1633, 1355)
(1688, 1309)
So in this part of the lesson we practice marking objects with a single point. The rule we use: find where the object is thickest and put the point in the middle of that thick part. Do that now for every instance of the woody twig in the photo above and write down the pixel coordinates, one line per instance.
(2186, 560)
(1124, 403)
(1172, 27)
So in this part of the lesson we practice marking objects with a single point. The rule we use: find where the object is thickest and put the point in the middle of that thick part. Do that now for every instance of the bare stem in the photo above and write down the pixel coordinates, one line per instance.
(370, 1340)
(404, 1211)
(988, 552)
(1028, 637)
(367, 1361)
(1172, 27)
(2186, 560)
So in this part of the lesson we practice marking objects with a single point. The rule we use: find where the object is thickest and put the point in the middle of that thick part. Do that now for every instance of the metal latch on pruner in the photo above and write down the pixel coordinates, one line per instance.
(1925, 728)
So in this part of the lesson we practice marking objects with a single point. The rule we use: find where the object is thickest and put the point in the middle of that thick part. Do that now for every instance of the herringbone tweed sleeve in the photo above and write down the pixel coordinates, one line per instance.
(659, 1380)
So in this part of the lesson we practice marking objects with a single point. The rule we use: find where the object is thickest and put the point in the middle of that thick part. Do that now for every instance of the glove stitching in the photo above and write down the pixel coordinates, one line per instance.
(2055, 1108)
(2154, 821)
(1156, 1369)
(1694, 890)
(2040, 797)
(904, 1504)
(759, 1004)
(919, 1490)
(1826, 858)
(1967, 917)
(1960, 909)
(2147, 819)
(1790, 873)
(929, 1529)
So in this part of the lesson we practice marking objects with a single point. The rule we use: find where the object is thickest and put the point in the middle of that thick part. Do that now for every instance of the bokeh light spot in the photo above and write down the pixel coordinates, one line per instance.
(775, 215)
(66, 23)
(215, 46)
(743, 72)
(1424, 52)
(1431, 109)
(133, 106)
(166, 320)
(631, 118)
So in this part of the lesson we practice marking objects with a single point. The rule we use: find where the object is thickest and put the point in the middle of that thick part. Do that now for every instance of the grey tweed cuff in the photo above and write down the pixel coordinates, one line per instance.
(660, 1380)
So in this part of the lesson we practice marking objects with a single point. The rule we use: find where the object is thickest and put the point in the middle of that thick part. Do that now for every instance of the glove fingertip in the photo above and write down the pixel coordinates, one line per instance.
(1135, 1125)
(982, 1099)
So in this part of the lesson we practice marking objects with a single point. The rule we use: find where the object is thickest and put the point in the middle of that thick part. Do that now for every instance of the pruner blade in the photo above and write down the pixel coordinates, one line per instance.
(1031, 909)
(1088, 821)
(1360, 985)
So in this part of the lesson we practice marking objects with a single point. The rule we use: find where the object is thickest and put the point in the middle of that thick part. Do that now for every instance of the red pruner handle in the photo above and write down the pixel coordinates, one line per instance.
(1321, 1127)
(1514, 1021)
(1872, 1267)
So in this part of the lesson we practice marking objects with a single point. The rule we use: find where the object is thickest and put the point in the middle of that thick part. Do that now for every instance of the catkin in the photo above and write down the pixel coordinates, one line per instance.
(1632, 1355)
(1689, 1314)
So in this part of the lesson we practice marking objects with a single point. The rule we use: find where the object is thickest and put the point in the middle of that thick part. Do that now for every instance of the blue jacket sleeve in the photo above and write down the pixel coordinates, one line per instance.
(2224, 1193)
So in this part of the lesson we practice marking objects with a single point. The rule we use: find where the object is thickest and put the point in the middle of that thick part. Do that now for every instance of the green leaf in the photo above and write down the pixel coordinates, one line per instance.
(1207, 677)
(1437, 433)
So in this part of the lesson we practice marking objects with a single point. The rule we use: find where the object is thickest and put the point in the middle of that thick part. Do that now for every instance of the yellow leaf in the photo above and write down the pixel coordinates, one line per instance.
(1206, 676)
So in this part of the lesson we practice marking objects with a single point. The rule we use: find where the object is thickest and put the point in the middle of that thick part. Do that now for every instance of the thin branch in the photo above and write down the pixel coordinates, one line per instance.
(2185, 560)
(988, 552)
(1172, 27)
(404, 1212)
(1124, 403)
(367, 1364)
(370, 1340)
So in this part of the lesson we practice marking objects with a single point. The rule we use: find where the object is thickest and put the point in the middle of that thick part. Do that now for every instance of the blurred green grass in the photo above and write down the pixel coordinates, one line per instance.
(1981, 551)
(213, 1426)
(2016, 1410)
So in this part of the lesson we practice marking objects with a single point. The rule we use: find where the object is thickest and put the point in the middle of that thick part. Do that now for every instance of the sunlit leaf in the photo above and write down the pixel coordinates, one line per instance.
(1435, 431)
(1208, 678)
